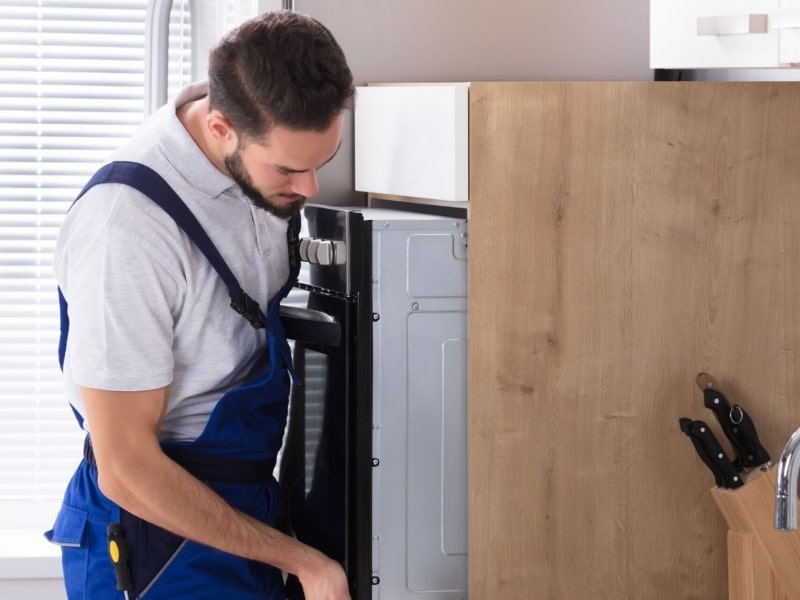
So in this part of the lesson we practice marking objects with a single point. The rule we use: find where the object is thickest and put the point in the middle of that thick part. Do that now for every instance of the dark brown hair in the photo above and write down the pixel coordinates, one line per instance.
(280, 68)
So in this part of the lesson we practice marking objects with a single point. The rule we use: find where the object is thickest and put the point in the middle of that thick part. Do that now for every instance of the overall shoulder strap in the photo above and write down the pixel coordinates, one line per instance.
(293, 242)
(152, 185)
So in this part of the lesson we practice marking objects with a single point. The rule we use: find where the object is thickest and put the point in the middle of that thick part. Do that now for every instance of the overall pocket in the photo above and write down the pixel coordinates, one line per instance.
(202, 573)
(152, 549)
(69, 532)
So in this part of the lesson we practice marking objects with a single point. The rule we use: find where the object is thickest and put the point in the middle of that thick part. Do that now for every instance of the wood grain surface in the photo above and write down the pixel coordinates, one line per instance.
(624, 237)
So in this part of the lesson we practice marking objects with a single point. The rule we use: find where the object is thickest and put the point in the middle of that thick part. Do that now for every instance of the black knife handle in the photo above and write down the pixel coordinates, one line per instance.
(686, 427)
(738, 427)
(756, 454)
(729, 473)
(711, 453)
(720, 463)
(716, 402)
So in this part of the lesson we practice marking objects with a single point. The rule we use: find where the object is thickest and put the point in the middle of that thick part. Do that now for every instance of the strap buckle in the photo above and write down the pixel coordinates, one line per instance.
(293, 243)
(248, 308)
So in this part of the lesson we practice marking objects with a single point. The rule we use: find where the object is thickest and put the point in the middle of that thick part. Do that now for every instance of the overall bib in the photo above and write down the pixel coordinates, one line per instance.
(235, 456)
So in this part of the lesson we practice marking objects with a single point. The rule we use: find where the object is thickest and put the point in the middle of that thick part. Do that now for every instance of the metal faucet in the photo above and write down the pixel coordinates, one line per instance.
(786, 485)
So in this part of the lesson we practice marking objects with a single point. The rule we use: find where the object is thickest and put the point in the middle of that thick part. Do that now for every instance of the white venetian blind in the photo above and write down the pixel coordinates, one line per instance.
(179, 49)
(71, 91)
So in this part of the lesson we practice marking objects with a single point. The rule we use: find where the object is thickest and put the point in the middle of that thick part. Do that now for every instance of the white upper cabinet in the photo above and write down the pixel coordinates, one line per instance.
(787, 22)
(707, 34)
(412, 140)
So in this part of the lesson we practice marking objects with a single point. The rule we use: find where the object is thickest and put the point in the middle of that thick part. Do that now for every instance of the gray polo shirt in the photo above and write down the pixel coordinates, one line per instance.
(146, 308)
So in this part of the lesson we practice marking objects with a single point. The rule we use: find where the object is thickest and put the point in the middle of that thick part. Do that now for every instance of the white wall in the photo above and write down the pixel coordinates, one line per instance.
(30, 568)
(478, 40)
(32, 589)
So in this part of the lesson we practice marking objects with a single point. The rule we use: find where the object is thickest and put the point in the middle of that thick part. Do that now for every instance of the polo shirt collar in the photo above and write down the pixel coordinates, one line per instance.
(182, 151)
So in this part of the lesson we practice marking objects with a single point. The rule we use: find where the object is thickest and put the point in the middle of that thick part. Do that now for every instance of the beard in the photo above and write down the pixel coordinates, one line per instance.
(237, 172)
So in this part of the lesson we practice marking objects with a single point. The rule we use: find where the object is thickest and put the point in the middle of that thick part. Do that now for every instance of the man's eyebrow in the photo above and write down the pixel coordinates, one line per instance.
(291, 171)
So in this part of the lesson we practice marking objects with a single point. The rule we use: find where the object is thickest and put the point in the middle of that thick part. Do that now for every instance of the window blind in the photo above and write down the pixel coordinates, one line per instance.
(71, 75)
(179, 49)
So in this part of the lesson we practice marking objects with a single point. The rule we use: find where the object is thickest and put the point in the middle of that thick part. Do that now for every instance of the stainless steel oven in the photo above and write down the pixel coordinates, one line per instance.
(374, 469)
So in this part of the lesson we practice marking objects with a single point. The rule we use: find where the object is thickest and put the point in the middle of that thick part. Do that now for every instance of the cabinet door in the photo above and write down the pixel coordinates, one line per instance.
(652, 234)
(702, 34)
(411, 140)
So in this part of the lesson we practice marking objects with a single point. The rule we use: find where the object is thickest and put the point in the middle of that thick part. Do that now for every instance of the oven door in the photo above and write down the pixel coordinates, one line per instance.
(325, 466)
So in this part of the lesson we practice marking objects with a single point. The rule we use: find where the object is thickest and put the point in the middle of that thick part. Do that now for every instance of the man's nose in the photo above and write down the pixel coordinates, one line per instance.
(305, 184)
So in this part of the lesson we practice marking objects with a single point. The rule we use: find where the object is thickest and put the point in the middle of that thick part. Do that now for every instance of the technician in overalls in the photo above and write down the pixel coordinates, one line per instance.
(175, 359)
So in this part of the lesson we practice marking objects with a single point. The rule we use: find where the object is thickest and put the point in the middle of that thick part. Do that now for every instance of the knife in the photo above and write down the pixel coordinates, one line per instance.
(737, 426)
(711, 453)
(686, 427)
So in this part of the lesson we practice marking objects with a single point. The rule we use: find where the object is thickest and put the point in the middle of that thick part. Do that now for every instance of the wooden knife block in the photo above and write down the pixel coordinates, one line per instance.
(763, 563)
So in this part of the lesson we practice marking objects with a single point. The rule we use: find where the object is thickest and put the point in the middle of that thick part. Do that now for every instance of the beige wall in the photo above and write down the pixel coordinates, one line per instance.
(471, 40)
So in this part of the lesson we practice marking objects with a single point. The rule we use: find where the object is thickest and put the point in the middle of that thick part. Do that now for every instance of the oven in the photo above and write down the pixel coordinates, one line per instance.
(373, 470)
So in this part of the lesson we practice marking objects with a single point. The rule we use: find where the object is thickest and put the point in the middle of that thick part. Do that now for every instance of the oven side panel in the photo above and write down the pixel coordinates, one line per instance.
(419, 409)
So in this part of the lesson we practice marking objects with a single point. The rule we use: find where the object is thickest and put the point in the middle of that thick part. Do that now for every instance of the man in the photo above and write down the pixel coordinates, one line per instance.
(183, 399)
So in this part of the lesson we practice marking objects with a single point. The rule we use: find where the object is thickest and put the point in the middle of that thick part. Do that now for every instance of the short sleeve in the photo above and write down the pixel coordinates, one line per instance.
(123, 295)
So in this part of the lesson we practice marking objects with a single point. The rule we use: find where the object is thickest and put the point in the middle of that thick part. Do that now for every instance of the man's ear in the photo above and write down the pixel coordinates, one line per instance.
(219, 127)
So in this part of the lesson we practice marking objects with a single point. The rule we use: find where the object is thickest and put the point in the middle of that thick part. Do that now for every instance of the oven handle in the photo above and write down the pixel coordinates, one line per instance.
(310, 326)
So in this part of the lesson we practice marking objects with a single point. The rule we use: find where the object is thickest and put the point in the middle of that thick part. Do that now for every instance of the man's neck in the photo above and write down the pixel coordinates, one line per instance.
(192, 116)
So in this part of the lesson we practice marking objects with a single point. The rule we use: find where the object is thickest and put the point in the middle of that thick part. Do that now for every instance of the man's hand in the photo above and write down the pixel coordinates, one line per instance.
(326, 582)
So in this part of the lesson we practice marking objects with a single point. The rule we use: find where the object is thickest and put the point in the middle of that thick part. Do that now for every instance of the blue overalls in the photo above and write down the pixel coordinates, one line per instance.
(235, 455)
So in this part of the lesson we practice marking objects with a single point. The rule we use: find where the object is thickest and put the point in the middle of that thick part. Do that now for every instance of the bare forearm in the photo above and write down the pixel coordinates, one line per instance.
(163, 493)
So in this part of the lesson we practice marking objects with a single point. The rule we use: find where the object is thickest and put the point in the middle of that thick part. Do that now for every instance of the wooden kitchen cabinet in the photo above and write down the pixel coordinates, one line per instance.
(623, 238)
(701, 34)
